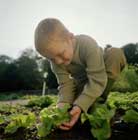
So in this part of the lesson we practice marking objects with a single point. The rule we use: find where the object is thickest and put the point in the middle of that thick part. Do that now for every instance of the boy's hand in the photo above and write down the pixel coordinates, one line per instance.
(75, 114)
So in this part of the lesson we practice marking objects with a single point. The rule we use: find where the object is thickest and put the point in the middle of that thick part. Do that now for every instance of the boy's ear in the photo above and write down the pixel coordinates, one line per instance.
(71, 35)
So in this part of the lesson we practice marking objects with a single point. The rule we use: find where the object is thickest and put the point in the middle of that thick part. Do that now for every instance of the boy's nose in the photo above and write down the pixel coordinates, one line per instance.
(59, 61)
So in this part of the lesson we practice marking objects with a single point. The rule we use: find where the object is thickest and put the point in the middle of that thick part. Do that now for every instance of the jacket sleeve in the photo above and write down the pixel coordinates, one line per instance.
(66, 84)
(97, 79)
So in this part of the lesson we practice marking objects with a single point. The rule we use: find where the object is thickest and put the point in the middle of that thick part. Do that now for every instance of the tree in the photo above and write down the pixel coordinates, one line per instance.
(11, 77)
(131, 53)
(22, 73)
(5, 63)
(28, 72)
(6, 59)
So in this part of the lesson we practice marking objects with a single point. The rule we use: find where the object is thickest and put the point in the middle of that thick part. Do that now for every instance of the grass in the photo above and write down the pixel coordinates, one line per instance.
(11, 96)
(15, 96)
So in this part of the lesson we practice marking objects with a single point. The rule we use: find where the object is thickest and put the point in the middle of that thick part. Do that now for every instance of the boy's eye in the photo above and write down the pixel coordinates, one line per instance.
(51, 59)
(59, 56)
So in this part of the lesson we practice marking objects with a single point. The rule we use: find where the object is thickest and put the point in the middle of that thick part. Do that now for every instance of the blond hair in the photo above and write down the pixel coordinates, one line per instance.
(48, 30)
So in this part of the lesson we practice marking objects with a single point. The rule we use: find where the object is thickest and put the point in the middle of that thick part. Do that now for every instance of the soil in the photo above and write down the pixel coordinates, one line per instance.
(120, 131)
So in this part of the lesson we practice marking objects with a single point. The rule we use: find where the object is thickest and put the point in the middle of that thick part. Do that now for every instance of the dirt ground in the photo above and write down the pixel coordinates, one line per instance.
(14, 102)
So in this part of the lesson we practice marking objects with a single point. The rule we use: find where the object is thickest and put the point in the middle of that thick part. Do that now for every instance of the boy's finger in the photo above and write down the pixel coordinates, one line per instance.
(67, 124)
(75, 110)
(64, 127)
(73, 121)
(72, 112)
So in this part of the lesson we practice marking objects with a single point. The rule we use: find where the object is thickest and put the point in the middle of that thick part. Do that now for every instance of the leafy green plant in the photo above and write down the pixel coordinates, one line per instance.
(40, 101)
(4, 108)
(20, 120)
(99, 119)
(7, 109)
(14, 117)
(125, 101)
(52, 117)
(131, 116)
(127, 81)
(2, 119)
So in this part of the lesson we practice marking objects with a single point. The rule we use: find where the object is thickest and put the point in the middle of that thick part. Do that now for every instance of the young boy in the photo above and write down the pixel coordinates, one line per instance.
(79, 64)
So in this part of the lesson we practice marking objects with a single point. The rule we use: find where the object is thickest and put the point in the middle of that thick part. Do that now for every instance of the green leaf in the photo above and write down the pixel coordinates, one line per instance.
(131, 116)
(20, 120)
(2, 119)
(102, 133)
(52, 117)
(83, 117)
(12, 127)
(40, 101)
(125, 101)
(99, 118)
(42, 130)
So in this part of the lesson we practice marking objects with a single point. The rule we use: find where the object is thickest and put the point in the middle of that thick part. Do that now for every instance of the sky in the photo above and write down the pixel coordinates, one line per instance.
(112, 22)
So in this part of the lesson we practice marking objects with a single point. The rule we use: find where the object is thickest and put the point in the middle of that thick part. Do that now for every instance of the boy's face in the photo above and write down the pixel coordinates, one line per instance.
(60, 52)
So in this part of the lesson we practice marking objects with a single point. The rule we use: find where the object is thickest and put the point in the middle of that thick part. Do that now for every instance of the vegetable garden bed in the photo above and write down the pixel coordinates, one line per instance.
(117, 119)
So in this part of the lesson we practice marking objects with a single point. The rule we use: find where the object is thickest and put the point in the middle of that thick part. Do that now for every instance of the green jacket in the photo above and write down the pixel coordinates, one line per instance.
(84, 80)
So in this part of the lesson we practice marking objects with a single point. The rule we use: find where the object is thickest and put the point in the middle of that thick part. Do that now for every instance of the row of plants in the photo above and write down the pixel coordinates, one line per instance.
(44, 119)
(127, 81)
